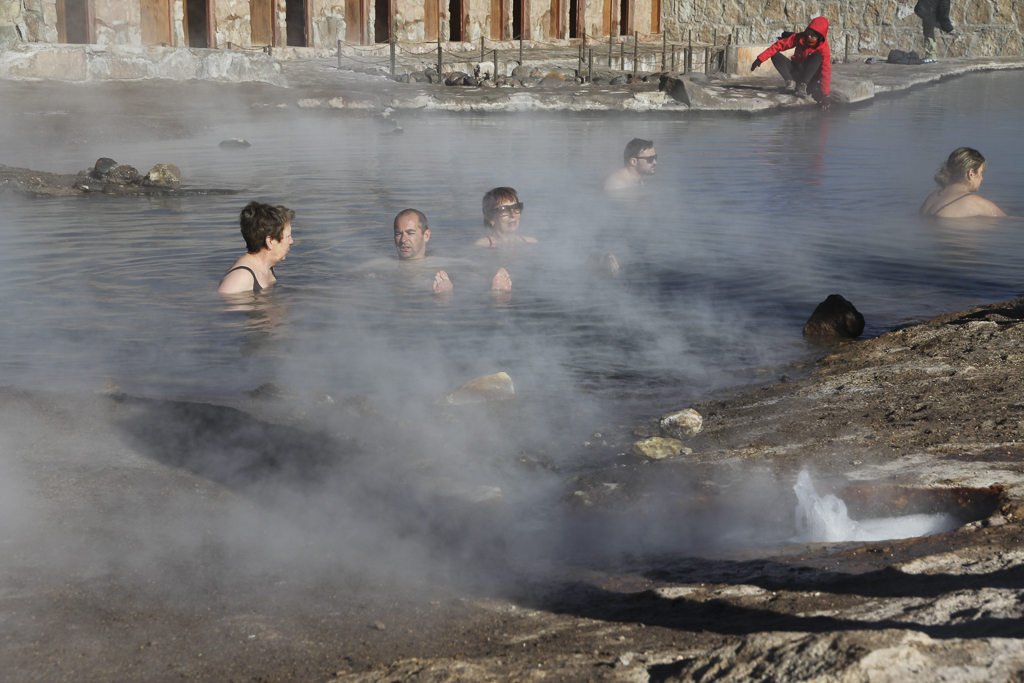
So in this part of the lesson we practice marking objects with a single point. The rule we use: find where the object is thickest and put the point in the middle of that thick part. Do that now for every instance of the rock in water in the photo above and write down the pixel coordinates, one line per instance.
(103, 167)
(682, 424)
(123, 174)
(496, 387)
(658, 448)
(835, 317)
(235, 143)
(163, 175)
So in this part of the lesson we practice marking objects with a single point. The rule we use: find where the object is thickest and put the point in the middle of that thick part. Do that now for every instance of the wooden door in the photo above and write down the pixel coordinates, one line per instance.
(74, 21)
(607, 17)
(354, 21)
(655, 16)
(261, 22)
(156, 22)
(555, 25)
(497, 20)
(430, 19)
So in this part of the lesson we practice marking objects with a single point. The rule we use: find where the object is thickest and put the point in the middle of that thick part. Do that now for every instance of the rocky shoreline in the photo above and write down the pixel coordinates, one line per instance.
(550, 81)
(932, 406)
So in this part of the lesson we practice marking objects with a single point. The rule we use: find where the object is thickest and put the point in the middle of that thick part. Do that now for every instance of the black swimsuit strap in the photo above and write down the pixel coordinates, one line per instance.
(948, 203)
(256, 286)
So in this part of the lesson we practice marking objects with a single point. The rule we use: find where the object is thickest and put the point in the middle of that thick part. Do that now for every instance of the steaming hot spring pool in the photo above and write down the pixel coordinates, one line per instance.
(748, 224)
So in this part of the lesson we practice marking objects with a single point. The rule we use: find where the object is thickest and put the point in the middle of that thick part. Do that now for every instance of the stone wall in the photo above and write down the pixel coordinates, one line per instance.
(872, 27)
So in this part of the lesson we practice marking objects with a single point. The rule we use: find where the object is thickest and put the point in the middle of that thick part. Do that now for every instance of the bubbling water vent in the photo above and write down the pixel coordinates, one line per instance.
(824, 519)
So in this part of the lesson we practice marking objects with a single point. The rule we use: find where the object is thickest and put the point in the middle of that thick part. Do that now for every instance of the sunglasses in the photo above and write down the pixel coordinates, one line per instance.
(651, 159)
(508, 209)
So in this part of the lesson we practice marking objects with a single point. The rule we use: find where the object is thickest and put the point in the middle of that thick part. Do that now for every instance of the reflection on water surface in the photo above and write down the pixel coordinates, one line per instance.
(748, 224)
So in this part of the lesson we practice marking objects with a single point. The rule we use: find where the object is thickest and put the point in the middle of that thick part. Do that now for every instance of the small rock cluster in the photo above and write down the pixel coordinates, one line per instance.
(673, 428)
(106, 172)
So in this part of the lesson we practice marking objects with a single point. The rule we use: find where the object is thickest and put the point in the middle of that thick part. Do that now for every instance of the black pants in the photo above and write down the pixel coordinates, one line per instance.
(803, 72)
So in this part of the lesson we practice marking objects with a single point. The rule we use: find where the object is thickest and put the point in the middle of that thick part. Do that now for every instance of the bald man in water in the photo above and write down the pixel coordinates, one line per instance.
(412, 233)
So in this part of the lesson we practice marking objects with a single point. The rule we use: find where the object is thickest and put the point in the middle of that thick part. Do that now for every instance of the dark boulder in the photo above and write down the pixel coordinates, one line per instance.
(619, 80)
(103, 167)
(835, 317)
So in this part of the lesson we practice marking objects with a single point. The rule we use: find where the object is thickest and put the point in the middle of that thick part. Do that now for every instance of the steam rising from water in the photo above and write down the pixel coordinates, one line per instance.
(824, 519)
(747, 226)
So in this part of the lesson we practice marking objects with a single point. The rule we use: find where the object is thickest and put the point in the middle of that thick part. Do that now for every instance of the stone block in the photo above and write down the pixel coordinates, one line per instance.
(852, 91)
(8, 37)
(59, 65)
(978, 12)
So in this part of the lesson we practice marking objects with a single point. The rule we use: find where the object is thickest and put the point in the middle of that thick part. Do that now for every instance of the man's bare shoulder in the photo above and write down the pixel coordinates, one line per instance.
(619, 180)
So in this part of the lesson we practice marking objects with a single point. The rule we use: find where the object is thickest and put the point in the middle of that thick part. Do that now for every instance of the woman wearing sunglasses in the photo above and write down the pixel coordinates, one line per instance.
(502, 210)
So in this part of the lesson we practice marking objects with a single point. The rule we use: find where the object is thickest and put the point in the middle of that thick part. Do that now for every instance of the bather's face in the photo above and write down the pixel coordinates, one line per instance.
(280, 249)
(410, 241)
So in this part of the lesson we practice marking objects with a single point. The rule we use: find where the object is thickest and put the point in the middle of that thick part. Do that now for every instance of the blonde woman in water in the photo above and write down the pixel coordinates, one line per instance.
(959, 179)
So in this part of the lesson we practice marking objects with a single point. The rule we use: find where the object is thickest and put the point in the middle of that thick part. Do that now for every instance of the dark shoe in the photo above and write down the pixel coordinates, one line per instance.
(801, 91)
(788, 87)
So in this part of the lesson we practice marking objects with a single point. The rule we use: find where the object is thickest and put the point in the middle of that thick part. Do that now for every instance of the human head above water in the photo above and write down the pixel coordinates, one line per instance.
(421, 219)
(635, 148)
(499, 196)
(260, 221)
(411, 234)
(962, 161)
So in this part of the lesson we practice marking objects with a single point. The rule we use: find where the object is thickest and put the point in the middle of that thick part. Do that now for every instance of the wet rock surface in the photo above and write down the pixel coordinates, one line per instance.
(655, 595)
(105, 177)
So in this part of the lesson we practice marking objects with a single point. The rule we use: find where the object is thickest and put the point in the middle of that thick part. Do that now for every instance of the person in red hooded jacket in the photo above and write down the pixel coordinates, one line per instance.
(811, 63)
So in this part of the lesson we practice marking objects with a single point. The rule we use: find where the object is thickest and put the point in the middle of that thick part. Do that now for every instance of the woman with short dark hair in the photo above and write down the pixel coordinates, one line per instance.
(267, 231)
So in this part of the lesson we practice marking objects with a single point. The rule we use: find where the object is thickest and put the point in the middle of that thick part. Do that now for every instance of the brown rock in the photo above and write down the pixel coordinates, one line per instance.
(835, 317)
(682, 424)
(659, 448)
(497, 387)
(163, 175)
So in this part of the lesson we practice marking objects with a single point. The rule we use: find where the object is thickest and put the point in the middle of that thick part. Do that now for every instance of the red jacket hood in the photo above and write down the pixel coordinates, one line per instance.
(819, 24)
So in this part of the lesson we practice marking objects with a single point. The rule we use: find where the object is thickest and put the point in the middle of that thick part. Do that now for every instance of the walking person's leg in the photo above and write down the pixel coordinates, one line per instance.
(931, 52)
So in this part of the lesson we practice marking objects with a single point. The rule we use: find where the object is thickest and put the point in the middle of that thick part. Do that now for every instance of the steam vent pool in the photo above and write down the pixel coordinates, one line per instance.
(886, 512)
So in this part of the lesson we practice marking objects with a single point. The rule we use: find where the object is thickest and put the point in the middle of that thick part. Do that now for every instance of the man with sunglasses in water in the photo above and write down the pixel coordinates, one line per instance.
(639, 161)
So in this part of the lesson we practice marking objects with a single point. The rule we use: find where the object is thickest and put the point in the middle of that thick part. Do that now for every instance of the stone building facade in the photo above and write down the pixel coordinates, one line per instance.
(987, 27)
(321, 23)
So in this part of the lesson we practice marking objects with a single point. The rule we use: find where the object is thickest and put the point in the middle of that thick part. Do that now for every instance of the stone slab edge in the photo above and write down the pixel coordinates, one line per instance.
(91, 63)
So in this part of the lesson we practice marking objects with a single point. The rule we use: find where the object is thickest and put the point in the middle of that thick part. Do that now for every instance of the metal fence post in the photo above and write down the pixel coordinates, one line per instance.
(664, 47)
(609, 50)
(688, 64)
(520, 47)
(846, 59)
(590, 66)
(495, 62)
(339, 54)
(392, 41)
(438, 53)
(622, 56)
(481, 47)
(673, 58)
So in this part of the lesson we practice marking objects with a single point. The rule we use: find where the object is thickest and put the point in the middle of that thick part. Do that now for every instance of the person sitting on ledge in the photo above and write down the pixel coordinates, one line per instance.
(811, 66)
(268, 237)
(639, 160)
(959, 179)
(502, 210)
